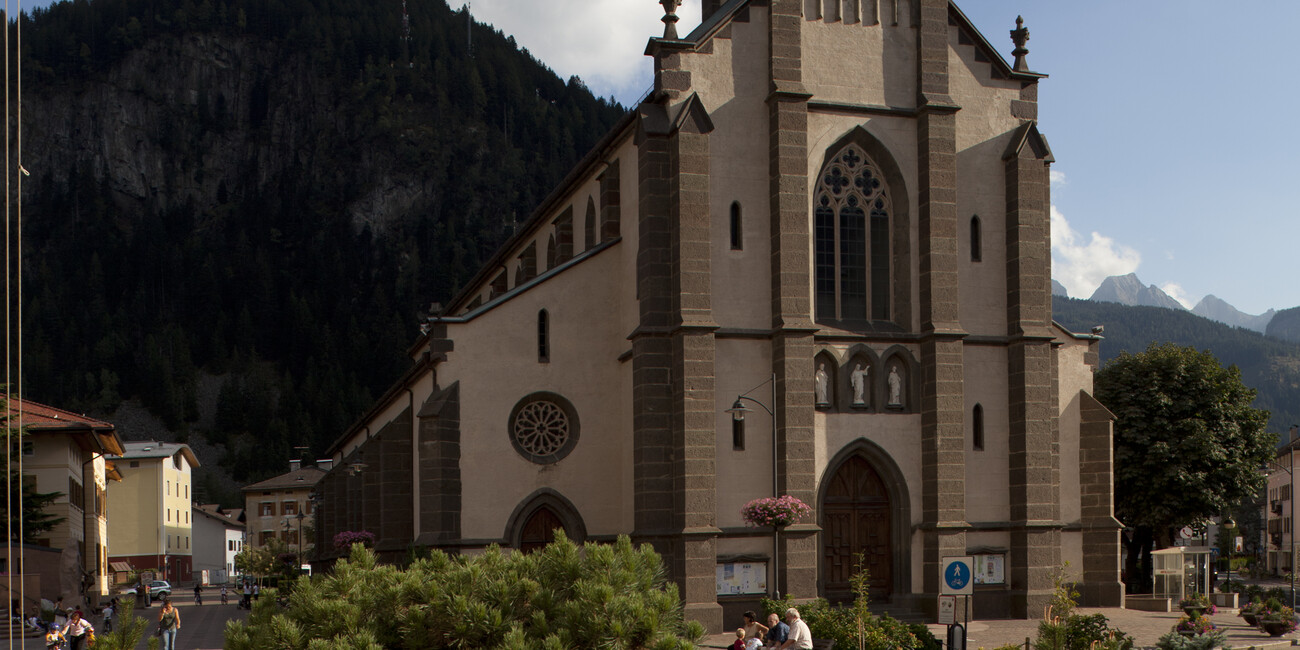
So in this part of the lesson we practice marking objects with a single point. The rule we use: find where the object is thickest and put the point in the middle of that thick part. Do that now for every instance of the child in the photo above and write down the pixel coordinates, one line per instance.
(740, 639)
(54, 638)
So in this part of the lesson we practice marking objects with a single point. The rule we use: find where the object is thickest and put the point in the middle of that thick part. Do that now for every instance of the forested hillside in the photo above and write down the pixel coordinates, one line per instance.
(268, 192)
(1270, 366)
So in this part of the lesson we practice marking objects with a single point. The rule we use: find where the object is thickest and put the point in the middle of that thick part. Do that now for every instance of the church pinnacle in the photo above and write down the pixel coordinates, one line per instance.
(1019, 36)
(670, 18)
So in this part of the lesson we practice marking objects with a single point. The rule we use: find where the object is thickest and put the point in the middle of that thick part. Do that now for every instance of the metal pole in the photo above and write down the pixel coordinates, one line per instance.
(776, 532)
(1291, 536)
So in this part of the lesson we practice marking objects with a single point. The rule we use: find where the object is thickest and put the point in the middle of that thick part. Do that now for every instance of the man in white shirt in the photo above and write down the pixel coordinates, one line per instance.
(800, 637)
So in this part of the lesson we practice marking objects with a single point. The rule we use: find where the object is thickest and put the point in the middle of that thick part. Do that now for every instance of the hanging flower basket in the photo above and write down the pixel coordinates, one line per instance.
(344, 540)
(774, 511)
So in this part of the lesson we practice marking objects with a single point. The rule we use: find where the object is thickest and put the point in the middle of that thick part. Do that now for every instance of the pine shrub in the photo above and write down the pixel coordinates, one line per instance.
(564, 596)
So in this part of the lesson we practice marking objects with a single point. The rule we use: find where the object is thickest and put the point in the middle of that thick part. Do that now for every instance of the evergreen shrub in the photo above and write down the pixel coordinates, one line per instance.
(563, 596)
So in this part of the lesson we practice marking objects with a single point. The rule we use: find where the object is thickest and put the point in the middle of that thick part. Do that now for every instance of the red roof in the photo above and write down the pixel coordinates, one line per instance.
(41, 416)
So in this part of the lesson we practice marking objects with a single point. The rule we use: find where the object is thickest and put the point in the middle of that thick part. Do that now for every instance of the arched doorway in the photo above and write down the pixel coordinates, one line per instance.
(856, 519)
(539, 529)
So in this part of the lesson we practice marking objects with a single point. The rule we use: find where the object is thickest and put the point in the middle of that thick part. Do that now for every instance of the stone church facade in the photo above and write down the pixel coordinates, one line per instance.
(838, 209)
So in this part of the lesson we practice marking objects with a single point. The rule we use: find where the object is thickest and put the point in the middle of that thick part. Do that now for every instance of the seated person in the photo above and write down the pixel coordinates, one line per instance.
(777, 631)
(740, 639)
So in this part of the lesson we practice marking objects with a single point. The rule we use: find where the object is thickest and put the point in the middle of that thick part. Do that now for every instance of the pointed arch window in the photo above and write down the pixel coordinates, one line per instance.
(976, 245)
(977, 428)
(589, 230)
(737, 235)
(543, 337)
(851, 229)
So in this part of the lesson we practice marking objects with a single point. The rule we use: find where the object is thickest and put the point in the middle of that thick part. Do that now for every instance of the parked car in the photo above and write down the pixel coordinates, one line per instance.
(157, 589)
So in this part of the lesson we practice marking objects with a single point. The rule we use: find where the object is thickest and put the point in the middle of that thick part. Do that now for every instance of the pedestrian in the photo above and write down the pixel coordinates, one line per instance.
(54, 638)
(257, 591)
(77, 630)
(108, 617)
(169, 624)
(247, 601)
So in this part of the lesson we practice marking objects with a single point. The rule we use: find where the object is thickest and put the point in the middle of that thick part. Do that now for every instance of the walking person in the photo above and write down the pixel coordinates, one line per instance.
(169, 624)
(108, 617)
(77, 630)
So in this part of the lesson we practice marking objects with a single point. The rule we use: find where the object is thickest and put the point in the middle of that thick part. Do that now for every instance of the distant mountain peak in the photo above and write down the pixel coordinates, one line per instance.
(1058, 289)
(1129, 290)
(1215, 308)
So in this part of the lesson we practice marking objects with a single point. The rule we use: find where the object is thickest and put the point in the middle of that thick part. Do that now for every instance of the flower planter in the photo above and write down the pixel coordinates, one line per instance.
(1274, 628)
(1193, 611)
(1250, 619)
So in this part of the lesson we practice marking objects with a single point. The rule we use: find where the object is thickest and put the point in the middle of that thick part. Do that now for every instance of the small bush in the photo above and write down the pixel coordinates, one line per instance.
(1207, 641)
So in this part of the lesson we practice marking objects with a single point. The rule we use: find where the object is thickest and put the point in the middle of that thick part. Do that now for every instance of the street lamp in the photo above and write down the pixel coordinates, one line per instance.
(1229, 525)
(300, 517)
(738, 412)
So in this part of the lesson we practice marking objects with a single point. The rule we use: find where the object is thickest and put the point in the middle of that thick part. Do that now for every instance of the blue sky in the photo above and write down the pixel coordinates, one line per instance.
(1172, 122)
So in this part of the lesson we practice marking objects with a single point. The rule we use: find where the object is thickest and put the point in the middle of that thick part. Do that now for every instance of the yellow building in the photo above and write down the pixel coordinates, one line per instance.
(281, 506)
(67, 453)
(151, 526)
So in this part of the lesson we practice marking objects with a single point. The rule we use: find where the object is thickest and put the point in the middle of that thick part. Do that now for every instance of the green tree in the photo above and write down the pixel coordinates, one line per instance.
(1188, 444)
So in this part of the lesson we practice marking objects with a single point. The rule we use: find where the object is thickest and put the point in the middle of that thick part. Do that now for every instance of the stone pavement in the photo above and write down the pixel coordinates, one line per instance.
(1145, 627)
(202, 627)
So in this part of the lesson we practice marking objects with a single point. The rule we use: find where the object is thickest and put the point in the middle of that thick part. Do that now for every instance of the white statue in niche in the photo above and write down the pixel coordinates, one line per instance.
(859, 379)
(822, 384)
(895, 387)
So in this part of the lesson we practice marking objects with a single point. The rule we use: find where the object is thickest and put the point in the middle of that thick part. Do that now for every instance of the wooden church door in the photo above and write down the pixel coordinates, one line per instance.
(855, 515)
(539, 530)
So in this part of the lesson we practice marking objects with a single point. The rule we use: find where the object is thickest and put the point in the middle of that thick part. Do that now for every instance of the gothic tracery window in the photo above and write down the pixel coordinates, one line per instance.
(851, 230)
(544, 428)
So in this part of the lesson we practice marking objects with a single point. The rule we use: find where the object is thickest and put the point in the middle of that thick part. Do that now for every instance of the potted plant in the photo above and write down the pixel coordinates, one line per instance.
(1194, 626)
(1250, 612)
(1197, 604)
(774, 511)
(1276, 621)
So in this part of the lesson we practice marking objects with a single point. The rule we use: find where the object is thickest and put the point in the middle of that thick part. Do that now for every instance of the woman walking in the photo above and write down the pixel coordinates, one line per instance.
(169, 624)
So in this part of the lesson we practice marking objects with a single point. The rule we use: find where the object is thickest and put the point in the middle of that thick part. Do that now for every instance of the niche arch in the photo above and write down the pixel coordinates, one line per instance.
(899, 359)
(860, 354)
(545, 505)
(825, 360)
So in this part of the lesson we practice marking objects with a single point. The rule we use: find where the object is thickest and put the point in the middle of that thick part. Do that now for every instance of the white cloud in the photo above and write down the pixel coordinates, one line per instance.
(601, 42)
(1082, 263)
(1057, 177)
(1176, 292)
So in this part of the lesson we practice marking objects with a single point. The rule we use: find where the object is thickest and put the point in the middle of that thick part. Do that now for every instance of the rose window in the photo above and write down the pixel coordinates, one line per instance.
(543, 428)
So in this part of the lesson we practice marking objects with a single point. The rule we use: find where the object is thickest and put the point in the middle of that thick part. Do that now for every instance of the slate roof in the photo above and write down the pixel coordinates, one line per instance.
(41, 418)
(305, 477)
(155, 449)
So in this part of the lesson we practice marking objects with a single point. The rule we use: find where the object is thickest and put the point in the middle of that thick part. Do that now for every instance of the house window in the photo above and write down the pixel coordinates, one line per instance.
(169, 488)
(543, 337)
(135, 463)
(267, 509)
(266, 537)
(976, 245)
(187, 517)
(737, 238)
(851, 227)
(289, 508)
(977, 427)
(169, 515)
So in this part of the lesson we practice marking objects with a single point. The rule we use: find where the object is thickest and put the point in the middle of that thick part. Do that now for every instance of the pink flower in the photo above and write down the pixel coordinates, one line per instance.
(774, 511)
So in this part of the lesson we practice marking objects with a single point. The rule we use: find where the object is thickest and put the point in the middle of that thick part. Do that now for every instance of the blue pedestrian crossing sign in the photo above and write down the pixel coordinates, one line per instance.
(956, 576)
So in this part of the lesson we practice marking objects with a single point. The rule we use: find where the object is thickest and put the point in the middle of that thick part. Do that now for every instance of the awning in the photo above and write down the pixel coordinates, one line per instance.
(120, 566)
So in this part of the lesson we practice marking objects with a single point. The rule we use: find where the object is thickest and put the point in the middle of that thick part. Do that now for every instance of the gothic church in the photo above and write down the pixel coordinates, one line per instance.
(814, 261)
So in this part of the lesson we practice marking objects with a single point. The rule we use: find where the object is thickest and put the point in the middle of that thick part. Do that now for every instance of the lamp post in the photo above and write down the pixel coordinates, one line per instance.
(1229, 525)
(300, 517)
(738, 412)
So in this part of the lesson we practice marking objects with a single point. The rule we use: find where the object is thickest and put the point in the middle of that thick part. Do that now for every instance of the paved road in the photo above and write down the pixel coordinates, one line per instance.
(202, 626)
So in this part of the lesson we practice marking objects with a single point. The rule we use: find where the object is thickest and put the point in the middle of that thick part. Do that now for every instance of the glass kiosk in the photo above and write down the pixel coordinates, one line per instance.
(1181, 572)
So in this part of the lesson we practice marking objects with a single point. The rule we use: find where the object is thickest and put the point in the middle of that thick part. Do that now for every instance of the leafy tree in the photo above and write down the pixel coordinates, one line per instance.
(563, 596)
(1188, 444)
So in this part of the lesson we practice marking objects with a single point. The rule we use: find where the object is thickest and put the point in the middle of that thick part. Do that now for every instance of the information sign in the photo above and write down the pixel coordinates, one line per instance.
(957, 577)
(947, 610)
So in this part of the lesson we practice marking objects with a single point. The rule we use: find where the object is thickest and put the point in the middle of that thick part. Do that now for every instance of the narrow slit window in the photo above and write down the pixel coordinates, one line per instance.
(737, 236)
(543, 337)
(977, 427)
(976, 245)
